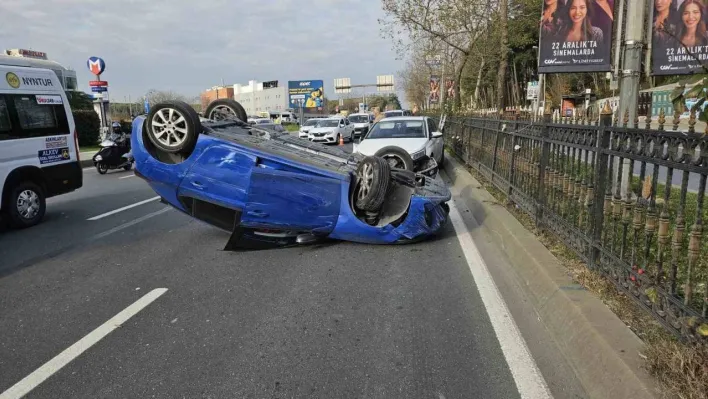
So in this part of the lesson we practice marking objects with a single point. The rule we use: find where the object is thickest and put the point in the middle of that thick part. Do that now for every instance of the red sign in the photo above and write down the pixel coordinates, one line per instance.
(98, 83)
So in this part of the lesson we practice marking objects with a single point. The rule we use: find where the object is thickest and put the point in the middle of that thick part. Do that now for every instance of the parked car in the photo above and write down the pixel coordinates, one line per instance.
(270, 189)
(306, 126)
(406, 142)
(330, 130)
(362, 123)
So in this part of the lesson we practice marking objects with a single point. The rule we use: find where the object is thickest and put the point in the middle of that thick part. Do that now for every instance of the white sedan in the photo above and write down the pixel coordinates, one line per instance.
(306, 126)
(330, 130)
(407, 142)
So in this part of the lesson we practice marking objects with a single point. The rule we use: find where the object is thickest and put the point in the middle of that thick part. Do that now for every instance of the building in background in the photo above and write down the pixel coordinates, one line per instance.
(255, 97)
(38, 59)
(214, 93)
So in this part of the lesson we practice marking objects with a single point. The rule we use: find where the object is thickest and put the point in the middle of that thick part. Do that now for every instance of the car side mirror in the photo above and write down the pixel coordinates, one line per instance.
(437, 134)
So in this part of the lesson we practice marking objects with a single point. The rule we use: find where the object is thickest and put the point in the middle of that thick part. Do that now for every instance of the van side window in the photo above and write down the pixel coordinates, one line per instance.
(5, 126)
(31, 119)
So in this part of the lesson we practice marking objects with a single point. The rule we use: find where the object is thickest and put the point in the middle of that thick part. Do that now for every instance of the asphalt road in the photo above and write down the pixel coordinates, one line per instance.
(332, 320)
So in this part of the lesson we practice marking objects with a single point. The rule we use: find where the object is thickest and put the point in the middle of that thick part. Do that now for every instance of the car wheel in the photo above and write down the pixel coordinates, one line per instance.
(25, 205)
(172, 127)
(442, 160)
(101, 168)
(397, 157)
(373, 177)
(225, 108)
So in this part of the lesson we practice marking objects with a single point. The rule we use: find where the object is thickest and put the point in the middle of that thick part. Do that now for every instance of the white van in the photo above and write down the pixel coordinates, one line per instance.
(39, 149)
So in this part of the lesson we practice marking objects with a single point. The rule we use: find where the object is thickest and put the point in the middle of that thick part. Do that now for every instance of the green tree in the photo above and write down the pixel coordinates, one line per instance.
(78, 100)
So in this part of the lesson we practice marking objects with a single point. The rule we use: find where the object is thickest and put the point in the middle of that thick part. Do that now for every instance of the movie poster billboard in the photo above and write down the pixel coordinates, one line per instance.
(679, 38)
(434, 94)
(576, 36)
(449, 89)
(306, 94)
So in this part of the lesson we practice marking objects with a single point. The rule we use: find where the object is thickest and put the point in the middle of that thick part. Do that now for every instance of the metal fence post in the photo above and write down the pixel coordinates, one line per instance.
(598, 212)
(542, 166)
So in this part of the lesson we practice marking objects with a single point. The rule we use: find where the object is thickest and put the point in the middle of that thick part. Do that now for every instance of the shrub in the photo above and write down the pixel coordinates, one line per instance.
(88, 127)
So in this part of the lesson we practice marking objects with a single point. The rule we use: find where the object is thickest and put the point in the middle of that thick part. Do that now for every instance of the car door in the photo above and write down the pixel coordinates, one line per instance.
(350, 128)
(436, 143)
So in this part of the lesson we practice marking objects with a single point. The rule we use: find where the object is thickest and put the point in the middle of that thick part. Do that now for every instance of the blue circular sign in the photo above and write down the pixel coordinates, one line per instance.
(96, 65)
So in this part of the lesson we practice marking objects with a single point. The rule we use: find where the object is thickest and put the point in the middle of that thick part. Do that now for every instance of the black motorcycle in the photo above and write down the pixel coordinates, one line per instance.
(115, 153)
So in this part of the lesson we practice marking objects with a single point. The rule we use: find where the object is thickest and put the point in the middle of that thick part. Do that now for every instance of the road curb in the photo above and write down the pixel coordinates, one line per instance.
(86, 159)
(603, 352)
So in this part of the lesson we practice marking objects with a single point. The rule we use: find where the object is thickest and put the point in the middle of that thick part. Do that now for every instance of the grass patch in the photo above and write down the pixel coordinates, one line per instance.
(681, 369)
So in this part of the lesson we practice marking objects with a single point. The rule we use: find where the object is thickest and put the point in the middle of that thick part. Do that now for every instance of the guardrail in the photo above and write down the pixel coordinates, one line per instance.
(629, 202)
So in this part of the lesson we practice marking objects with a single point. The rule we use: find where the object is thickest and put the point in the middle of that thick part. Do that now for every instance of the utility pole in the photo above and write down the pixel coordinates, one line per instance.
(631, 73)
(632, 62)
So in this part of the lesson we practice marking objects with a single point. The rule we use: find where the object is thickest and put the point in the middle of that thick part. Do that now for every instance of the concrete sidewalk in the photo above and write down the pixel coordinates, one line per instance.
(564, 325)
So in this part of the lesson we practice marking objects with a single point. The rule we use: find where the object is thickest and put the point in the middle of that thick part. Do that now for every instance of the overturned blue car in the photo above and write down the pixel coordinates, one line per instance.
(270, 189)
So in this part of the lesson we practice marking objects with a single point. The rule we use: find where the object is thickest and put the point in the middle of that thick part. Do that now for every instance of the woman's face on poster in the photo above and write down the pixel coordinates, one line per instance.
(691, 16)
(662, 5)
(578, 11)
(549, 3)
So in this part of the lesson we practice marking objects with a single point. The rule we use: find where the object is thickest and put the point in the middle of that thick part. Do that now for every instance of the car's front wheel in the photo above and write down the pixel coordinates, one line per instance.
(373, 178)
(173, 127)
(26, 205)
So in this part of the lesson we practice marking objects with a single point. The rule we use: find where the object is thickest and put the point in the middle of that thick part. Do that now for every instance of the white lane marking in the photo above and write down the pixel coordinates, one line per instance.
(33, 380)
(529, 380)
(132, 222)
(126, 177)
(113, 212)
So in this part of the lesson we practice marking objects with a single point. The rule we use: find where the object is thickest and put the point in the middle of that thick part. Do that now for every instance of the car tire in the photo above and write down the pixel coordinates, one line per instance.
(101, 168)
(231, 107)
(32, 192)
(402, 157)
(373, 178)
(442, 160)
(184, 127)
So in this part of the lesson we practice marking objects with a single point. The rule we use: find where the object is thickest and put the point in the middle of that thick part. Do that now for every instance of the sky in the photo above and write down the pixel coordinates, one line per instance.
(187, 46)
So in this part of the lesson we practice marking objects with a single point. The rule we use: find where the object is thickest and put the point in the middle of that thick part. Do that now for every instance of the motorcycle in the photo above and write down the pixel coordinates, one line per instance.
(115, 153)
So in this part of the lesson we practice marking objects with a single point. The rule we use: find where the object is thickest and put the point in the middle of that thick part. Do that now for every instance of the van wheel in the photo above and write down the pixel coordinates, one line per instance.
(173, 127)
(225, 108)
(25, 205)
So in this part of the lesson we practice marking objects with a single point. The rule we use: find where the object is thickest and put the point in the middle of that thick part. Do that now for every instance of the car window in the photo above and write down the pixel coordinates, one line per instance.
(359, 118)
(328, 123)
(431, 127)
(311, 122)
(5, 125)
(397, 129)
(24, 116)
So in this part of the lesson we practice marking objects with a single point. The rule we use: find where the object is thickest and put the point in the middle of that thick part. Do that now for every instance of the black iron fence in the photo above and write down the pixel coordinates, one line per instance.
(629, 202)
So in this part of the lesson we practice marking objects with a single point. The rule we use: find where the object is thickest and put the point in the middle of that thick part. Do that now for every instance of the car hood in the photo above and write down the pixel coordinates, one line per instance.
(370, 146)
(322, 130)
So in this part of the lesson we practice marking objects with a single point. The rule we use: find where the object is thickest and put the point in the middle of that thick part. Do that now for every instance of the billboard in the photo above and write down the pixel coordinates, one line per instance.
(576, 36)
(434, 95)
(309, 93)
(679, 38)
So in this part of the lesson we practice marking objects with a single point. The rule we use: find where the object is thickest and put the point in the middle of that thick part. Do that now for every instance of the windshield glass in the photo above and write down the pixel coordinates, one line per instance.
(397, 129)
(358, 118)
(389, 114)
(311, 122)
(328, 123)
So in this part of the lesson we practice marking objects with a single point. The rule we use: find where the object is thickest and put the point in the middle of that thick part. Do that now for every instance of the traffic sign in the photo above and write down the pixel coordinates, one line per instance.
(94, 83)
(384, 83)
(343, 85)
(99, 89)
